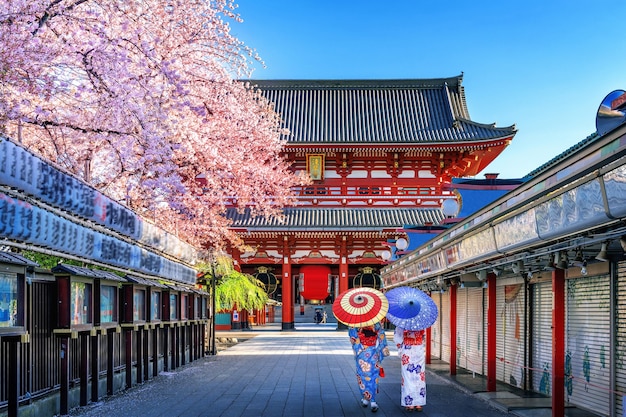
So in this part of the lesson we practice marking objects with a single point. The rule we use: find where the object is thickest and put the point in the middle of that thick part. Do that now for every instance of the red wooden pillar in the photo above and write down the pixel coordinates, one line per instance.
(491, 332)
(288, 319)
(343, 266)
(558, 342)
(428, 335)
(236, 255)
(453, 330)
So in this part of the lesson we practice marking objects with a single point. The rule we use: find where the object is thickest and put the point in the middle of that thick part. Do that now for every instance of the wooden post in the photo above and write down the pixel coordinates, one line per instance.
(95, 367)
(155, 352)
(183, 344)
(13, 381)
(64, 342)
(110, 335)
(146, 356)
(174, 348)
(166, 349)
(129, 358)
(202, 339)
(84, 368)
(140, 355)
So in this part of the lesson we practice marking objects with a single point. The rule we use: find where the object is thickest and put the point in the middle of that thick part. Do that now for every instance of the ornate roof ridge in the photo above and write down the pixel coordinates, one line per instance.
(454, 81)
(491, 126)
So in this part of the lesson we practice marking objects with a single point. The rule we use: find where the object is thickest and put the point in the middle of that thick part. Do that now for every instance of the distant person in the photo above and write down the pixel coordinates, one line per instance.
(412, 354)
(324, 317)
(370, 347)
(318, 317)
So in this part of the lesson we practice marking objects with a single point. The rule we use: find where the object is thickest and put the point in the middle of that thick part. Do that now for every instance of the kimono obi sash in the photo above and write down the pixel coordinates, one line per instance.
(367, 340)
(413, 338)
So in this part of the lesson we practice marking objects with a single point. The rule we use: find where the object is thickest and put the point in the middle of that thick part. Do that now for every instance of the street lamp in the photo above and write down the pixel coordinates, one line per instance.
(401, 244)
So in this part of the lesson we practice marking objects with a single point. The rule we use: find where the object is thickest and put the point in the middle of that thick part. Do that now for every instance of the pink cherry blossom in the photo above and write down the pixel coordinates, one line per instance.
(140, 98)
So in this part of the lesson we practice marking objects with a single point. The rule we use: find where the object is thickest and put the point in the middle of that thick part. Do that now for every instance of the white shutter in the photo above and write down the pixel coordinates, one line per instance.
(510, 334)
(461, 327)
(435, 330)
(620, 368)
(475, 338)
(588, 330)
(541, 347)
(444, 314)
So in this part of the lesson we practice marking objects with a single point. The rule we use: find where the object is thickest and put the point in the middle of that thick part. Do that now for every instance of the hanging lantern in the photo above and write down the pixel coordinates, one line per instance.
(316, 282)
(268, 279)
(367, 277)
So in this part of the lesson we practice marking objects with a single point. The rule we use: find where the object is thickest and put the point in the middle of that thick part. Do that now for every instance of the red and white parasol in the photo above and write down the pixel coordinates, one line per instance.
(360, 307)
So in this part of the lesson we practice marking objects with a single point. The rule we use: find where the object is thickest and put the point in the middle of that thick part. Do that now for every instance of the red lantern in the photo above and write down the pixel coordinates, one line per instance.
(316, 284)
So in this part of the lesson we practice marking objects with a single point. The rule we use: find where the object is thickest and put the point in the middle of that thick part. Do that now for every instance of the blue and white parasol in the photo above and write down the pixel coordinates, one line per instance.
(411, 308)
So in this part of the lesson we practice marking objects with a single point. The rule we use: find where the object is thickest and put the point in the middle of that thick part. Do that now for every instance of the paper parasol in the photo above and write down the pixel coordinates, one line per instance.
(360, 307)
(411, 308)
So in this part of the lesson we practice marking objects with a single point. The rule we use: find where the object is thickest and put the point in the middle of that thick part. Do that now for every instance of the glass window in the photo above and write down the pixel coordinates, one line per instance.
(108, 303)
(80, 302)
(173, 306)
(8, 300)
(139, 305)
(155, 301)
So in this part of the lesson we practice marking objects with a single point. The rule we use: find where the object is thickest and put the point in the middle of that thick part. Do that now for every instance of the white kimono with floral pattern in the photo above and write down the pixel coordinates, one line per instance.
(412, 354)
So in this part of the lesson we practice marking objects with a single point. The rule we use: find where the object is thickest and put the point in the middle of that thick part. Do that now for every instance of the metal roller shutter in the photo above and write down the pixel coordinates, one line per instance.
(475, 345)
(444, 314)
(461, 327)
(510, 334)
(435, 330)
(620, 353)
(541, 333)
(587, 351)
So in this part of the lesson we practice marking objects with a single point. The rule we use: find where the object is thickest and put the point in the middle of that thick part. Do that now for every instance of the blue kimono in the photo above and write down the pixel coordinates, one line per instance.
(370, 348)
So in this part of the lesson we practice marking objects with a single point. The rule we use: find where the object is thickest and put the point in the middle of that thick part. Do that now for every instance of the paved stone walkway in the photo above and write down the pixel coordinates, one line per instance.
(308, 372)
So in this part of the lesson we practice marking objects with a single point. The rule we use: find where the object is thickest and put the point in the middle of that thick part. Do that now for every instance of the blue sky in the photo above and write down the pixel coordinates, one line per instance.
(542, 65)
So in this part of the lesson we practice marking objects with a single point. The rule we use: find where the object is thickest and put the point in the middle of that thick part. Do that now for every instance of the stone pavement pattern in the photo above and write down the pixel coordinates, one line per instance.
(309, 372)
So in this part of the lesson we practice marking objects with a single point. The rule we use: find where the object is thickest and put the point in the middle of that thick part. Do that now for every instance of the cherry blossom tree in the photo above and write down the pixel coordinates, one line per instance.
(141, 99)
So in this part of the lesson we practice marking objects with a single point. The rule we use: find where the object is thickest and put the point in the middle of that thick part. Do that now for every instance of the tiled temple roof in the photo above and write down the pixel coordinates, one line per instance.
(316, 219)
(423, 111)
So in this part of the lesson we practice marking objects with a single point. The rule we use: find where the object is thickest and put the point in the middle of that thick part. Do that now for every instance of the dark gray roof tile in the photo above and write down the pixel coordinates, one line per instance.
(376, 111)
(337, 219)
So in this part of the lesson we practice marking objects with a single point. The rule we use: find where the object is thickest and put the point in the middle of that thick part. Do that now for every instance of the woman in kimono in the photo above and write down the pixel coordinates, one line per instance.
(412, 353)
(370, 347)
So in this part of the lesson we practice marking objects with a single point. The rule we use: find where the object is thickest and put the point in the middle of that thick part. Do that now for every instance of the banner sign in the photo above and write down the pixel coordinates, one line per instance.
(29, 223)
(21, 221)
(28, 173)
